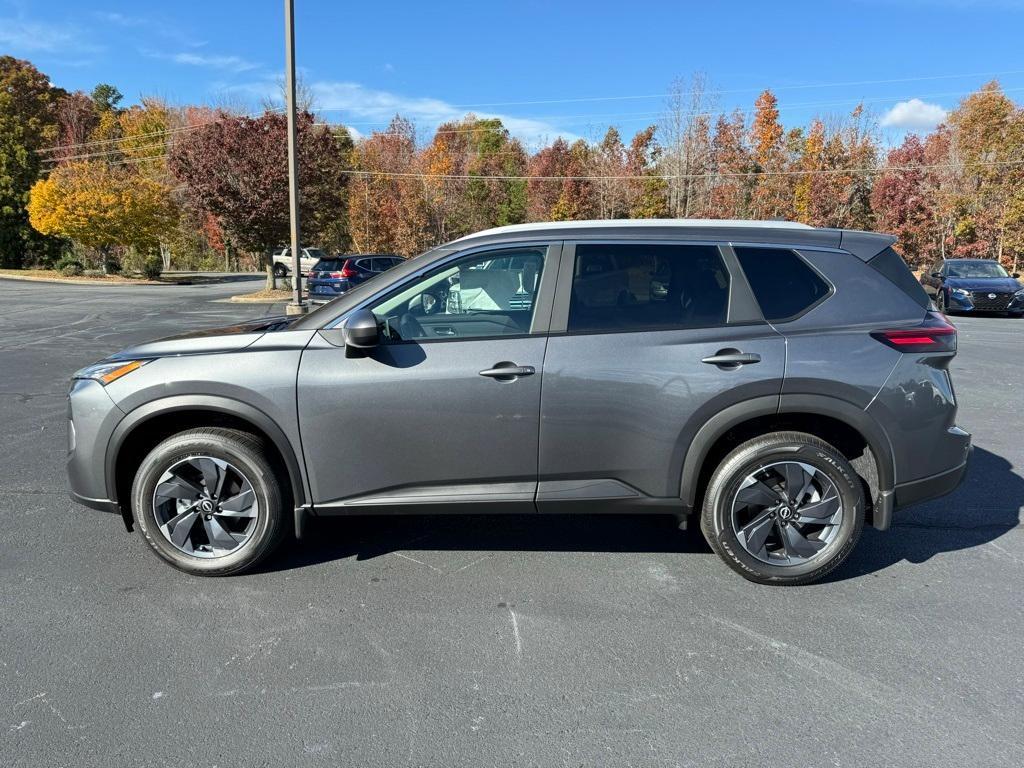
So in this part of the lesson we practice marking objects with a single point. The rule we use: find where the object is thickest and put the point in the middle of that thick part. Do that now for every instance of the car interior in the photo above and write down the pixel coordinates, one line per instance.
(647, 286)
(475, 297)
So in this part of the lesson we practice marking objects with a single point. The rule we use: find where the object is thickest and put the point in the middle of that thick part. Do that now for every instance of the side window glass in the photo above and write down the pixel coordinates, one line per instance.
(783, 283)
(636, 287)
(486, 294)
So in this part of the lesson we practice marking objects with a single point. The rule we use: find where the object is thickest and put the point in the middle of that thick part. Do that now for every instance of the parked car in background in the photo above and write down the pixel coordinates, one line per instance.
(307, 260)
(785, 386)
(974, 285)
(333, 275)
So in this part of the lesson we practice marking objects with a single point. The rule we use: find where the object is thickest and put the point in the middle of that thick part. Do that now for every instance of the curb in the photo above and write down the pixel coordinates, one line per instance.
(87, 281)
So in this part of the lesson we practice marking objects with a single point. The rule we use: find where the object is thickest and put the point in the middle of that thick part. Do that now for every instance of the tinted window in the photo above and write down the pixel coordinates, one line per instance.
(783, 283)
(329, 265)
(892, 265)
(485, 294)
(632, 287)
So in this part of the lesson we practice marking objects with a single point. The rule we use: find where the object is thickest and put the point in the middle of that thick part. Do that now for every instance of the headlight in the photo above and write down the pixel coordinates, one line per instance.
(961, 292)
(105, 373)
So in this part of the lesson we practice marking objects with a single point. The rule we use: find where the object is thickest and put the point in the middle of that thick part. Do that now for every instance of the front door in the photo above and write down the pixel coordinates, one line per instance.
(446, 410)
(652, 340)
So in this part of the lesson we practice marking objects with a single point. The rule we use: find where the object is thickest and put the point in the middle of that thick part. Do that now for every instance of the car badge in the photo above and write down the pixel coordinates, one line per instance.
(991, 295)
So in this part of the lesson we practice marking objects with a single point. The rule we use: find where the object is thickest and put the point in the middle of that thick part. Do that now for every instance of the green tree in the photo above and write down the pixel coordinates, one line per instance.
(28, 124)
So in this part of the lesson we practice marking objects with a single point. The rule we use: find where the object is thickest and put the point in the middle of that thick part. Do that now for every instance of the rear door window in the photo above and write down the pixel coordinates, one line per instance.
(632, 287)
(784, 285)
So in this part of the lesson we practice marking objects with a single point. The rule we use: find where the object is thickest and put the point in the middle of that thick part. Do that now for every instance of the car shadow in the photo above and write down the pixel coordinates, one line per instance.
(986, 506)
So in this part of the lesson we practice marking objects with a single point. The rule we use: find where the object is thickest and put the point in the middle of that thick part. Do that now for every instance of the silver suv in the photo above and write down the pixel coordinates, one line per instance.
(785, 385)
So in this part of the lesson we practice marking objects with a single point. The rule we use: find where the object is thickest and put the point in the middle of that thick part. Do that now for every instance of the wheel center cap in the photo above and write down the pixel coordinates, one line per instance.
(206, 505)
(785, 513)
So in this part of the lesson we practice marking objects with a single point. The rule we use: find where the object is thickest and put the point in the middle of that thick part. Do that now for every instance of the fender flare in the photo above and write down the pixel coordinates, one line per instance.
(820, 405)
(214, 404)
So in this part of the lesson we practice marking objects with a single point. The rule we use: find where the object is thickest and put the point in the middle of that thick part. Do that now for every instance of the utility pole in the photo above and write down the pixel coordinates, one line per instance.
(297, 306)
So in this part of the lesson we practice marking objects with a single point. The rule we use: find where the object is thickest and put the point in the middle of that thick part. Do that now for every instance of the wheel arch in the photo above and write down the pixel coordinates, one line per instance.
(854, 433)
(144, 427)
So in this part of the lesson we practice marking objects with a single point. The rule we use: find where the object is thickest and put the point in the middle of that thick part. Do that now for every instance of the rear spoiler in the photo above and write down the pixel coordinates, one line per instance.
(864, 245)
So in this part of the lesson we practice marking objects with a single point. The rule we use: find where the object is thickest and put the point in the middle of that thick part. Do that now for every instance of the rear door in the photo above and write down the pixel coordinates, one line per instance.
(648, 341)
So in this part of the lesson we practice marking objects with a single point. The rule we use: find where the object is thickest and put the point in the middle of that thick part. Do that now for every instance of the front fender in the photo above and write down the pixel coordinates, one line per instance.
(215, 404)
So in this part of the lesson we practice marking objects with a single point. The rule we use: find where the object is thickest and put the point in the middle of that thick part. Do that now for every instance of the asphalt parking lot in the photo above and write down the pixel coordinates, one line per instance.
(493, 641)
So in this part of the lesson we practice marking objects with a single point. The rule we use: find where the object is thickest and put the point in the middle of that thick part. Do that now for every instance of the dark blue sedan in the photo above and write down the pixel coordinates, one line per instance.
(974, 285)
(332, 276)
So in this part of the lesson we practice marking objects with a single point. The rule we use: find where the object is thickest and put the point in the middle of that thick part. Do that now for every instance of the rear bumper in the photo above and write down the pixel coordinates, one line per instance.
(103, 505)
(928, 488)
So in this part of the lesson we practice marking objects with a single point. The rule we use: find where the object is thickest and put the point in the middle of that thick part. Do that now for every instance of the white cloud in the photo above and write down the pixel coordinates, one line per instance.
(224, 63)
(22, 36)
(232, 63)
(372, 109)
(914, 115)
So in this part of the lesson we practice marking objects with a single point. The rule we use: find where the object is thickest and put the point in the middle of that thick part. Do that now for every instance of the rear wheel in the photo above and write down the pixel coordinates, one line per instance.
(784, 508)
(208, 501)
(280, 270)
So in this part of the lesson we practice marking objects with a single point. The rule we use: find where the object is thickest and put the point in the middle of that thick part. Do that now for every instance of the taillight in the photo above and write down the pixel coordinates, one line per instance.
(935, 334)
(336, 274)
(347, 270)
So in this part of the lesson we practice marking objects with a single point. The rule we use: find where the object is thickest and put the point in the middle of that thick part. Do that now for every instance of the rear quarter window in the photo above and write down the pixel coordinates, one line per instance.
(784, 285)
(895, 269)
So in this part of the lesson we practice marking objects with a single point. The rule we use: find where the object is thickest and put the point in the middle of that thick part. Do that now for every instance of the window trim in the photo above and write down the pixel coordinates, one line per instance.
(798, 253)
(543, 302)
(741, 309)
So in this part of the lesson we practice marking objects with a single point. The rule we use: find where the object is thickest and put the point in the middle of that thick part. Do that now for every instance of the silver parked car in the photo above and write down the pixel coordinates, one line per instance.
(785, 385)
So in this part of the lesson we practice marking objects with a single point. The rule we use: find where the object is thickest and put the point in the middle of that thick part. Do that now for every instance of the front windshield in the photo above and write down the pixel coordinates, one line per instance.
(976, 269)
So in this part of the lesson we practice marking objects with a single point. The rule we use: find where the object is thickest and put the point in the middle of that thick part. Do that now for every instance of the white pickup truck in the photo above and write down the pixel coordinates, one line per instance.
(283, 260)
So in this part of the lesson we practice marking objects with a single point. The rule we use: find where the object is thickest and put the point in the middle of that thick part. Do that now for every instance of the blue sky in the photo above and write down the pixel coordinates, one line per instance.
(546, 68)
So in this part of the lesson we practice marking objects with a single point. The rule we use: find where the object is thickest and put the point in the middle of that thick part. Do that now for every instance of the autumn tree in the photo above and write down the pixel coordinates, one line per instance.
(236, 168)
(28, 124)
(902, 203)
(102, 206)
(646, 191)
(771, 197)
(732, 164)
(387, 202)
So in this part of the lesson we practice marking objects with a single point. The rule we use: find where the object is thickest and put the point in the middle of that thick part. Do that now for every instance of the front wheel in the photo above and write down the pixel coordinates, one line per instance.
(941, 302)
(208, 501)
(785, 508)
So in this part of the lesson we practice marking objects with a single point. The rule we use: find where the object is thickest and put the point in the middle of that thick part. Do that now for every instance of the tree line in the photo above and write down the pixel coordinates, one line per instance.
(86, 181)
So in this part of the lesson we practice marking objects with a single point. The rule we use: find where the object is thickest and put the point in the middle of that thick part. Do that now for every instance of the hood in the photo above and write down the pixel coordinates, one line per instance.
(1000, 284)
(223, 339)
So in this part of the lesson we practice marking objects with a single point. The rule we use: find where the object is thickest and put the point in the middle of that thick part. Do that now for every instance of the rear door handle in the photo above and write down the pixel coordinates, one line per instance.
(508, 371)
(732, 358)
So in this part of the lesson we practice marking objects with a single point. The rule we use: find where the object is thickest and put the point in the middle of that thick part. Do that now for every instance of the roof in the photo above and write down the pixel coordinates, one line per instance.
(864, 245)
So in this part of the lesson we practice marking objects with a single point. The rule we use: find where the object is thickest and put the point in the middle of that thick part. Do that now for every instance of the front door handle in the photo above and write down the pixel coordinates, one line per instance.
(506, 371)
(730, 359)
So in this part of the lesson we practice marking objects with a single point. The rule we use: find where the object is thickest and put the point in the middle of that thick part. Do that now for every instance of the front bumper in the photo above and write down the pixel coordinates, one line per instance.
(970, 304)
(92, 416)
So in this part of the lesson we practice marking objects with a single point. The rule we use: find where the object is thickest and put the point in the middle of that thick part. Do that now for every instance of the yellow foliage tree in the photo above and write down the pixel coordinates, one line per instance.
(101, 206)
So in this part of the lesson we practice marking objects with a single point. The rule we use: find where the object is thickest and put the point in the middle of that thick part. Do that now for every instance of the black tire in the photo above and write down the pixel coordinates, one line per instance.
(717, 522)
(243, 451)
(280, 270)
(940, 302)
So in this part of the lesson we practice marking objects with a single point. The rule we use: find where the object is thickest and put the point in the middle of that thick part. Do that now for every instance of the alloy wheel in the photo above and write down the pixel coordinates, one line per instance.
(205, 507)
(787, 513)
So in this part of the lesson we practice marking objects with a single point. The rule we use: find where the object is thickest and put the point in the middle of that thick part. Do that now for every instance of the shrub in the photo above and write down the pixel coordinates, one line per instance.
(69, 266)
(151, 267)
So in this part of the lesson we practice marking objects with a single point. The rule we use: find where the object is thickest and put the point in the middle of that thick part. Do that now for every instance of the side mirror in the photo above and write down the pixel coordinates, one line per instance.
(937, 275)
(361, 330)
